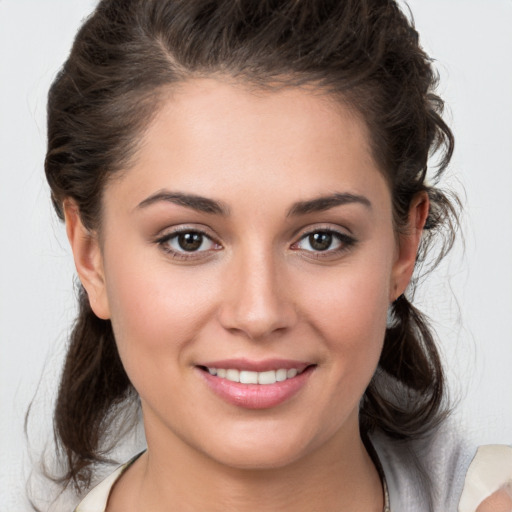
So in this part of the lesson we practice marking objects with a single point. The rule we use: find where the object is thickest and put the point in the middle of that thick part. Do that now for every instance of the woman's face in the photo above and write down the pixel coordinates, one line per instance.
(251, 238)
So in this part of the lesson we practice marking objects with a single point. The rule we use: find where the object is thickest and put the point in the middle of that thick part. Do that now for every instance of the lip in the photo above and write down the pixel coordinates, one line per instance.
(256, 396)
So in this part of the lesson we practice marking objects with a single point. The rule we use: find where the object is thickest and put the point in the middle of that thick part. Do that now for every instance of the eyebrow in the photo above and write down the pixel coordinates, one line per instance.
(323, 203)
(199, 203)
(206, 205)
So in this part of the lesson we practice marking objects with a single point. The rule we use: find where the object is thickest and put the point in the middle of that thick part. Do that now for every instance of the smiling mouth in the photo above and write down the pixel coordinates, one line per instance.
(252, 377)
(256, 385)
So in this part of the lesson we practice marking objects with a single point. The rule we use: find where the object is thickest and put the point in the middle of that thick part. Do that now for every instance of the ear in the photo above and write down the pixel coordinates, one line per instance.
(88, 259)
(408, 243)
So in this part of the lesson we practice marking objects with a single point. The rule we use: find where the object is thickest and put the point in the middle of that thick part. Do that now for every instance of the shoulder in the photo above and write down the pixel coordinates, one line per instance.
(488, 484)
(426, 474)
(445, 472)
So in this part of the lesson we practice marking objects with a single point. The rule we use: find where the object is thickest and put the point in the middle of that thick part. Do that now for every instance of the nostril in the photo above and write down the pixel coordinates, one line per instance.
(257, 323)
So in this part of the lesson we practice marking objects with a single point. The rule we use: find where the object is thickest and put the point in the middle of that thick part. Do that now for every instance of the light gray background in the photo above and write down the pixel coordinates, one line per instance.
(469, 298)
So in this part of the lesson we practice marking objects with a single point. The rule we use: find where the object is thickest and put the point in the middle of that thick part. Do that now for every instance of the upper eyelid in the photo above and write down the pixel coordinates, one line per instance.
(335, 226)
(170, 231)
(323, 229)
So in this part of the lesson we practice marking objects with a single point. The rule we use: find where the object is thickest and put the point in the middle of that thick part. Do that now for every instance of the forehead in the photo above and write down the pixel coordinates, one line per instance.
(214, 137)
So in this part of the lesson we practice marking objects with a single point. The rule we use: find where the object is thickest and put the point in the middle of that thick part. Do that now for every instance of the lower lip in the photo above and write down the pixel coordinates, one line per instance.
(256, 396)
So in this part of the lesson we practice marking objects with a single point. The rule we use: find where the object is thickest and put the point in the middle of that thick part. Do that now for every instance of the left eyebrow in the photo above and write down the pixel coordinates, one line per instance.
(199, 203)
(323, 203)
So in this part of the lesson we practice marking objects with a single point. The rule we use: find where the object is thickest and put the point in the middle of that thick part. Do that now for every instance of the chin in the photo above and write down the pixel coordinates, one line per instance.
(268, 447)
(258, 458)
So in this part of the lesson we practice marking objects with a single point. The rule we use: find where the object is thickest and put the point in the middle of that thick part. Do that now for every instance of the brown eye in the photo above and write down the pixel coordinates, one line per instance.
(324, 241)
(320, 241)
(190, 241)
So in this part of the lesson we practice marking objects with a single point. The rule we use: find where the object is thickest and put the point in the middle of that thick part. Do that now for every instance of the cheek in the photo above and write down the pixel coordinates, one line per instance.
(155, 311)
(349, 309)
(353, 301)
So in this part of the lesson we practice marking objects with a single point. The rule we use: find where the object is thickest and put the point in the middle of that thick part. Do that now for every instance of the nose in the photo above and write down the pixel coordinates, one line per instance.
(258, 303)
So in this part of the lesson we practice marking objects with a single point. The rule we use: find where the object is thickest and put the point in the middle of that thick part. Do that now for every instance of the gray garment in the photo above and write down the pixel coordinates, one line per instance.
(426, 475)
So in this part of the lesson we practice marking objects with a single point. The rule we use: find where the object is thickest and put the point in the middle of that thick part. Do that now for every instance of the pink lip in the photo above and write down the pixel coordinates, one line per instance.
(256, 396)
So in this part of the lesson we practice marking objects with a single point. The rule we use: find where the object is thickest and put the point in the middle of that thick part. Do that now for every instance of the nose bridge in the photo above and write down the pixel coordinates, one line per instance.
(257, 304)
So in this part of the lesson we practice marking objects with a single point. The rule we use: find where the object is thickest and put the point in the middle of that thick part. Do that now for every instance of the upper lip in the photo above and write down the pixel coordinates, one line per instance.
(257, 366)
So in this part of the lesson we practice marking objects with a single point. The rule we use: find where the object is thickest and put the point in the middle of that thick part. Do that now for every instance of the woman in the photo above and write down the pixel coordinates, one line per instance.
(244, 189)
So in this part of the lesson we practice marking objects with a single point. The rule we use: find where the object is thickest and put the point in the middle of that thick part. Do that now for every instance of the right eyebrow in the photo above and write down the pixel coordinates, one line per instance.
(323, 203)
(195, 202)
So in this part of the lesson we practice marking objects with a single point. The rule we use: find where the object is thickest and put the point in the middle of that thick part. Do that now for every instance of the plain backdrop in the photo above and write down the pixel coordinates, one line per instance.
(469, 298)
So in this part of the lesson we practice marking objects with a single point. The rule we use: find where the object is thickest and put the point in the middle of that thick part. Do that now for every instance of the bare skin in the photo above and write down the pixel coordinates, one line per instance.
(262, 491)
(256, 288)
(499, 501)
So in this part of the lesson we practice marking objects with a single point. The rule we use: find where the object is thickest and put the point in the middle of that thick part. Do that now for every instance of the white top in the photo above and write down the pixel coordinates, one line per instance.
(490, 471)
(444, 462)
(96, 500)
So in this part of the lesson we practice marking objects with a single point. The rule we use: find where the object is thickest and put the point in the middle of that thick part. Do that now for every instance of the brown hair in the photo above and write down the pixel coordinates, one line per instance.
(366, 52)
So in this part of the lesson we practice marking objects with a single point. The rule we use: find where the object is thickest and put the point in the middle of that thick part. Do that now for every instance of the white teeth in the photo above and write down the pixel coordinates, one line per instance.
(281, 375)
(233, 375)
(267, 377)
(247, 377)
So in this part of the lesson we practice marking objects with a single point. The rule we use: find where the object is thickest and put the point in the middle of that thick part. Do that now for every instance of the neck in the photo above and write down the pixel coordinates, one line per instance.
(339, 475)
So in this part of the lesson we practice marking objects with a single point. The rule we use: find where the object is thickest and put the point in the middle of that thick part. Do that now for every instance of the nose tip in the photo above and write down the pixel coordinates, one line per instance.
(257, 306)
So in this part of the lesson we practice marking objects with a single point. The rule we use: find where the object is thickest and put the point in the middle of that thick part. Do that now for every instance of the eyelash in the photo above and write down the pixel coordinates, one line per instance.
(166, 239)
(345, 242)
